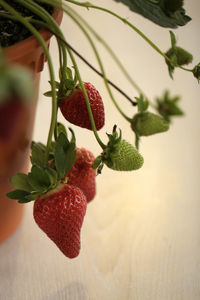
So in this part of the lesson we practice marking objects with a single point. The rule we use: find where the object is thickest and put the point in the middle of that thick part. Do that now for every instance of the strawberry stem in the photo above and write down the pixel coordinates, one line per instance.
(99, 62)
(125, 21)
(96, 54)
(110, 51)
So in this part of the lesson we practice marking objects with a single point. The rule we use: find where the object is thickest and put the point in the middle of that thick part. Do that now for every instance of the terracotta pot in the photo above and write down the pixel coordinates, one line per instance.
(15, 139)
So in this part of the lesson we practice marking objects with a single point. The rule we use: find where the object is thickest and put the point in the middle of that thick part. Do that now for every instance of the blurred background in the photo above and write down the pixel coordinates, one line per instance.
(141, 236)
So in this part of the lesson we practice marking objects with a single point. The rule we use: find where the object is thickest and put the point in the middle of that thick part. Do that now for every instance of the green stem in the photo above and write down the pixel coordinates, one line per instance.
(100, 65)
(125, 21)
(51, 70)
(109, 49)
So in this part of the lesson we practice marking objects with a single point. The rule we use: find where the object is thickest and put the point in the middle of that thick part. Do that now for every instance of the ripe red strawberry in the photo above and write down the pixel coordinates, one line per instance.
(82, 175)
(60, 215)
(74, 108)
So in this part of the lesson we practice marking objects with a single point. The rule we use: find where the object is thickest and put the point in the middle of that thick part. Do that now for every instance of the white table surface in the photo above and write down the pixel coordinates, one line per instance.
(141, 234)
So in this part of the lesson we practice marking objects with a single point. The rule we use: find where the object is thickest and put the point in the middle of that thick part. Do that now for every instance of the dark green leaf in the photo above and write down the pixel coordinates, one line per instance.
(158, 12)
(20, 182)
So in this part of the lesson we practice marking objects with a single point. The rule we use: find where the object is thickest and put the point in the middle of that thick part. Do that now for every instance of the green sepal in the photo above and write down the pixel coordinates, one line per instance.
(167, 106)
(142, 103)
(18, 195)
(48, 94)
(38, 154)
(53, 176)
(97, 162)
(196, 72)
(20, 182)
(177, 55)
(61, 128)
(31, 197)
(65, 154)
(39, 179)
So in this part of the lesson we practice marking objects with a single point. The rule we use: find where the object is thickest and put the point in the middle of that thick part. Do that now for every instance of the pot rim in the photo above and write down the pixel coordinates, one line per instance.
(29, 44)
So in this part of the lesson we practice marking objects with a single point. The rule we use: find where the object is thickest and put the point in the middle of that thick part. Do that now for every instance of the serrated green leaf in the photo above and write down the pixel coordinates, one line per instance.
(158, 12)
(20, 182)
(38, 179)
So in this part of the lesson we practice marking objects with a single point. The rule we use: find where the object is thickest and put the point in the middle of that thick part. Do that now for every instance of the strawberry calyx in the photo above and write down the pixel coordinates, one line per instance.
(176, 56)
(43, 178)
(118, 155)
(66, 86)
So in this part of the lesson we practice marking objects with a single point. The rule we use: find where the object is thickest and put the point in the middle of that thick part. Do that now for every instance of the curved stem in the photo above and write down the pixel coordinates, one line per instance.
(51, 70)
(99, 61)
(125, 21)
(109, 49)
(100, 65)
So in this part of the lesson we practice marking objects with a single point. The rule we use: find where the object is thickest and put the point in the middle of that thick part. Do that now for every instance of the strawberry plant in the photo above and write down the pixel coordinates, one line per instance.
(62, 178)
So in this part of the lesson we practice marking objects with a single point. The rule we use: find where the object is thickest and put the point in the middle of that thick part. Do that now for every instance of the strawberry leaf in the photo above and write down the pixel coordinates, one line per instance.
(159, 12)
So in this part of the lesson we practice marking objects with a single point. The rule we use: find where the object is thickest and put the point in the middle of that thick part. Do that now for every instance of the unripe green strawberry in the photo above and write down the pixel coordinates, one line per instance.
(147, 123)
(124, 158)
